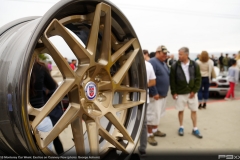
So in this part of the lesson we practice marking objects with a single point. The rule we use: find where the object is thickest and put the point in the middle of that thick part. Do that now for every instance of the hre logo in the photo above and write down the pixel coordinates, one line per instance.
(90, 90)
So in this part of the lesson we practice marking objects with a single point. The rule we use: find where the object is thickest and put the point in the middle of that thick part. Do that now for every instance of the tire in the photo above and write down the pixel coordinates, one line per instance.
(110, 60)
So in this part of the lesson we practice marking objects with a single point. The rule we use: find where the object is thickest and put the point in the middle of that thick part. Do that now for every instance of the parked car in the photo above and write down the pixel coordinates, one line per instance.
(220, 84)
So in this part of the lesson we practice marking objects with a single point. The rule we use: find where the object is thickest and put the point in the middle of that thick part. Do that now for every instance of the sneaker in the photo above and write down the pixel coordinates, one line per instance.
(142, 153)
(152, 141)
(159, 134)
(227, 99)
(197, 133)
(180, 131)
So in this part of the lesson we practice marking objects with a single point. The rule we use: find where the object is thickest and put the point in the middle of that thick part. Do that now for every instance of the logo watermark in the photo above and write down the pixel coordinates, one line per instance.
(229, 156)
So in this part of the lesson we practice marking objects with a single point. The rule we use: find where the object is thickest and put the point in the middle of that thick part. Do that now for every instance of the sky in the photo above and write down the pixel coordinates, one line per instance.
(211, 25)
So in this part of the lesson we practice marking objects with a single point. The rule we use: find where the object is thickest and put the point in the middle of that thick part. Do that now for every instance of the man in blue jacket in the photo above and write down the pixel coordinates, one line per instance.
(157, 93)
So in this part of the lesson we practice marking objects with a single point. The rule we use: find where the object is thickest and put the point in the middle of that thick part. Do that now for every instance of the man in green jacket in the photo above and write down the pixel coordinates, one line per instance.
(225, 62)
(185, 81)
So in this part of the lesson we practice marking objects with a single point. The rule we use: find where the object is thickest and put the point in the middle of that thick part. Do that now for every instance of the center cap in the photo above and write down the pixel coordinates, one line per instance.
(90, 90)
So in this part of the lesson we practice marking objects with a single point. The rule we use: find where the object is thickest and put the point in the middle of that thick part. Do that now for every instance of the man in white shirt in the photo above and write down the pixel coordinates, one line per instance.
(185, 81)
(151, 81)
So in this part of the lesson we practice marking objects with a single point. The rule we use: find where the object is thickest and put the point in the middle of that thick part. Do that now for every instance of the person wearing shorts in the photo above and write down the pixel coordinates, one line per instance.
(157, 93)
(185, 81)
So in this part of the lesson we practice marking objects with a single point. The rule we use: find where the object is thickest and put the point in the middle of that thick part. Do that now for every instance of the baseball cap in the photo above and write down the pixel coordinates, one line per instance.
(162, 48)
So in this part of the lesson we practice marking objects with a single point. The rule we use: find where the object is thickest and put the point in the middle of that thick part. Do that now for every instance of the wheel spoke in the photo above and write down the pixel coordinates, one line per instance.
(33, 111)
(73, 95)
(77, 130)
(121, 51)
(93, 132)
(127, 105)
(101, 107)
(93, 36)
(67, 118)
(56, 28)
(82, 69)
(76, 18)
(104, 86)
(53, 101)
(111, 140)
(106, 40)
(98, 69)
(62, 64)
(119, 76)
(114, 120)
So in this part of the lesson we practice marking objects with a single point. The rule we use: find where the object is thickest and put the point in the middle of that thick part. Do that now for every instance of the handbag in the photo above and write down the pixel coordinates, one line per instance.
(213, 74)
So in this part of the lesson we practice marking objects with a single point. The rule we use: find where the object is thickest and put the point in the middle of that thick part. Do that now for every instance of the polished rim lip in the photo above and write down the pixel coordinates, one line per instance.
(12, 24)
(42, 24)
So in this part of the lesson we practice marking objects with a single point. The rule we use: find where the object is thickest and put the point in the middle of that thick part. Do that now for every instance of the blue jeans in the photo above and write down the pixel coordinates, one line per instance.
(203, 92)
(46, 126)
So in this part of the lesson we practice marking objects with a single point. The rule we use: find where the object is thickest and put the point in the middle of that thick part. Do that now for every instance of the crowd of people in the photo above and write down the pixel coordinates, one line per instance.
(189, 82)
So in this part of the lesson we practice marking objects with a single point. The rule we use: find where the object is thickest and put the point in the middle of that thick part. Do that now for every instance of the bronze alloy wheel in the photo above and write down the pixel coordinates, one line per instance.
(106, 91)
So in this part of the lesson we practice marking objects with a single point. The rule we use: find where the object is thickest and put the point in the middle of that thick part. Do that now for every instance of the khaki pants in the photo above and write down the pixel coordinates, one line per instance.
(156, 109)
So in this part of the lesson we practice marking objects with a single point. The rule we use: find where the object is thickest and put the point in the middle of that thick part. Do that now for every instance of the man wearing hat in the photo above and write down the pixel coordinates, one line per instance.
(157, 93)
